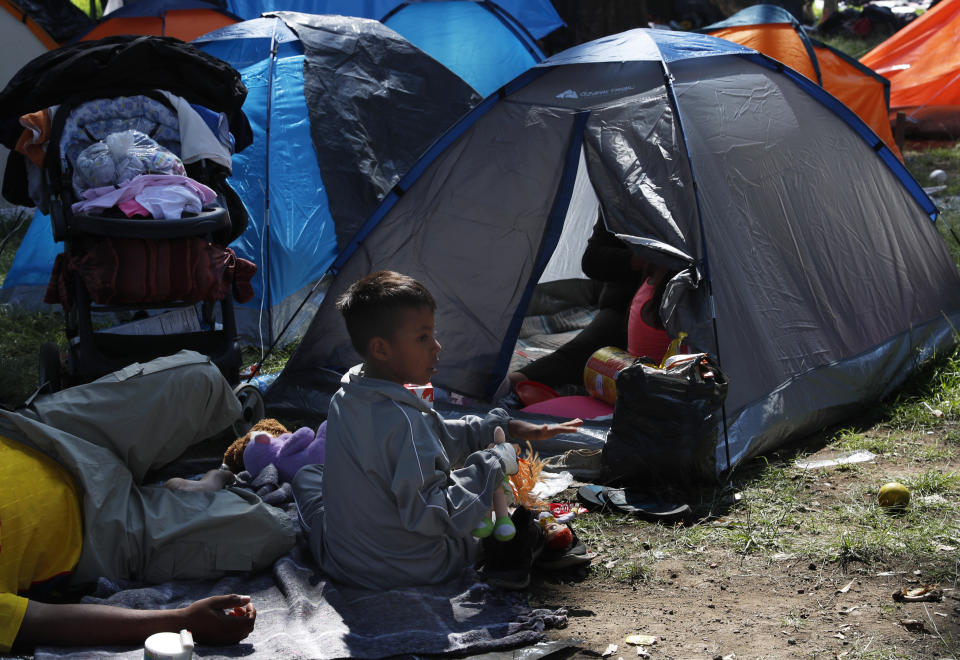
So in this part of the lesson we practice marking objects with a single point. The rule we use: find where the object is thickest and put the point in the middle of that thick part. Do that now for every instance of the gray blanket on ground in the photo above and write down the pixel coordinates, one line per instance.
(302, 615)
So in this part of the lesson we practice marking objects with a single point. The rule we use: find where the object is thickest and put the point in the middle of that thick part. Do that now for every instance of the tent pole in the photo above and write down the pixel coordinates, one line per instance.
(253, 372)
(716, 342)
(265, 239)
(953, 233)
(668, 84)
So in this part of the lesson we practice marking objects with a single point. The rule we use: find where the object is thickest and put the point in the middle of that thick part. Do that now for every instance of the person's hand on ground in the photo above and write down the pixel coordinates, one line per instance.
(525, 431)
(220, 620)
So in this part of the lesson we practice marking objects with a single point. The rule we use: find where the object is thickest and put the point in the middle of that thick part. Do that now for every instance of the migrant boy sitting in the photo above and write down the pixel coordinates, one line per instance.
(74, 507)
(388, 509)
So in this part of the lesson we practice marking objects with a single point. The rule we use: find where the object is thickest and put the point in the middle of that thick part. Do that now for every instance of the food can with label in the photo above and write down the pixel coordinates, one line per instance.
(600, 374)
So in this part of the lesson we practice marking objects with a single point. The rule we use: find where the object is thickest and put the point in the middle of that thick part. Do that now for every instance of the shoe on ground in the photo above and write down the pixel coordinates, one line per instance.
(508, 564)
(575, 554)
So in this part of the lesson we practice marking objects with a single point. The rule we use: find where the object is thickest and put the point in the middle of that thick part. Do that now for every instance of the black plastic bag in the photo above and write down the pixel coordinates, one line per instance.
(664, 432)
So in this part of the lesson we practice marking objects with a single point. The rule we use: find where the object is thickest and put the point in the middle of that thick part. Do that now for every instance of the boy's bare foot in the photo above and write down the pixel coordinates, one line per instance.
(212, 480)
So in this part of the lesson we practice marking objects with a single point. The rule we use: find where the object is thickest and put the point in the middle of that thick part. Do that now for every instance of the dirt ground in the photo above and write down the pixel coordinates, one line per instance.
(717, 603)
(715, 607)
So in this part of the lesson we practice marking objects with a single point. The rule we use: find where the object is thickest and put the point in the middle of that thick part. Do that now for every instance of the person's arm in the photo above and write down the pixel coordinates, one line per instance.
(525, 431)
(607, 258)
(431, 498)
(86, 624)
(471, 433)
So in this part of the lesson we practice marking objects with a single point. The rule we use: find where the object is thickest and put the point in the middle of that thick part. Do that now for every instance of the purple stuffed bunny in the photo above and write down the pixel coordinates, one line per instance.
(289, 452)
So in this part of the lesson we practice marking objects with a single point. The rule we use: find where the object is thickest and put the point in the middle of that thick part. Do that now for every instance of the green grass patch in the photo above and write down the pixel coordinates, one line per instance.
(934, 482)
(625, 557)
(274, 362)
(929, 398)
(855, 47)
(21, 335)
(848, 440)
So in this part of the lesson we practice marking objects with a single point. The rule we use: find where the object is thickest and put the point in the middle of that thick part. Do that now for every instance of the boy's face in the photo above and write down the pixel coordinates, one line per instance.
(411, 355)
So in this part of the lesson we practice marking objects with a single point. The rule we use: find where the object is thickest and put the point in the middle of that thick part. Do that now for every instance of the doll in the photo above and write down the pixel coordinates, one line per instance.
(500, 525)
(269, 442)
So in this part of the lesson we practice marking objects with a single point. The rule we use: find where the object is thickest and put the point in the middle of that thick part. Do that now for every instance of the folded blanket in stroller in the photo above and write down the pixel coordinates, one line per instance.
(133, 270)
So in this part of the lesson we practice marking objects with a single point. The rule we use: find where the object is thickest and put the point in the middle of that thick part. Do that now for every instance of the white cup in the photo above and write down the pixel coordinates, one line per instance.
(169, 646)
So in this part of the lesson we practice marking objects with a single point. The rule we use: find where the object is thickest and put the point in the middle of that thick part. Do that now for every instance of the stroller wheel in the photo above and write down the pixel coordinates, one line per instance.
(50, 368)
(253, 409)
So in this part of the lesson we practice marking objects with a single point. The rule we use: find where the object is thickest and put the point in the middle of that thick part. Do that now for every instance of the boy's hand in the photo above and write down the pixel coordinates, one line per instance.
(210, 624)
(533, 432)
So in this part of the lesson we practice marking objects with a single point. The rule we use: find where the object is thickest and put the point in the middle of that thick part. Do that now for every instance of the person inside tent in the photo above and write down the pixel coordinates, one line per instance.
(629, 300)
(74, 507)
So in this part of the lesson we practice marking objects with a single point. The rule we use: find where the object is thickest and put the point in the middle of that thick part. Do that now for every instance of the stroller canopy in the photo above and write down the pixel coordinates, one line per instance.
(805, 256)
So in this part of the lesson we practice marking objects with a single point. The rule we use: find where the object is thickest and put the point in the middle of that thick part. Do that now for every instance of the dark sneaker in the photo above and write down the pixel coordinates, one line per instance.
(507, 565)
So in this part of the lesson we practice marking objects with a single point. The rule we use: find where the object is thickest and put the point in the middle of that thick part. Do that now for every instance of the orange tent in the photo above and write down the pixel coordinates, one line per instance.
(922, 62)
(774, 32)
(184, 19)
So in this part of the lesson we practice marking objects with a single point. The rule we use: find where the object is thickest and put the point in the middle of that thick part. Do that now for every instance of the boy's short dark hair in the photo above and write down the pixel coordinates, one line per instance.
(371, 305)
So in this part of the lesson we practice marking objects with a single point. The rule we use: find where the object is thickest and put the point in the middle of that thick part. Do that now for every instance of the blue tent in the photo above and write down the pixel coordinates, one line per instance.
(478, 41)
(485, 43)
(538, 17)
(340, 108)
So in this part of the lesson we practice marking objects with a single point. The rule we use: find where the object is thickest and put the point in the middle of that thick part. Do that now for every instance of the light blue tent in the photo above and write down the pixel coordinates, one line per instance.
(538, 17)
(478, 41)
(340, 108)
(485, 43)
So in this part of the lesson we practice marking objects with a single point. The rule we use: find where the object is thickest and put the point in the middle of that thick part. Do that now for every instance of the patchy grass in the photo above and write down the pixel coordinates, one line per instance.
(274, 362)
(923, 158)
(855, 47)
(14, 222)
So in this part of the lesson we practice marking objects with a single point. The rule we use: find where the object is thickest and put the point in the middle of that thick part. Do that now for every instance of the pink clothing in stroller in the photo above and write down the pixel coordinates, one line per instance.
(163, 195)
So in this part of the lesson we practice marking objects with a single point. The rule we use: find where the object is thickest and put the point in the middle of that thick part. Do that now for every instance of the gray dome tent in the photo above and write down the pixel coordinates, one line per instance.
(808, 260)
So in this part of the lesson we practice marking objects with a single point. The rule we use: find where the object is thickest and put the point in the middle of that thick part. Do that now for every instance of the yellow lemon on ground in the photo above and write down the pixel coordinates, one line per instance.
(893, 495)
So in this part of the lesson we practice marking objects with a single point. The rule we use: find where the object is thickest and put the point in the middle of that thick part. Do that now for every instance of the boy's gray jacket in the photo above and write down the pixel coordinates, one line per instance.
(396, 514)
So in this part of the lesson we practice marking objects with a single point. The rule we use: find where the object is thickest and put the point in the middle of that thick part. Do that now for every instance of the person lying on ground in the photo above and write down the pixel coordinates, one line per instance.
(74, 507)
(389, 509)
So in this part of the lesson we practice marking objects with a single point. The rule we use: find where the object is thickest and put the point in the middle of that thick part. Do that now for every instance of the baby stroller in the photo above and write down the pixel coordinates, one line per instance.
(127, 147)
